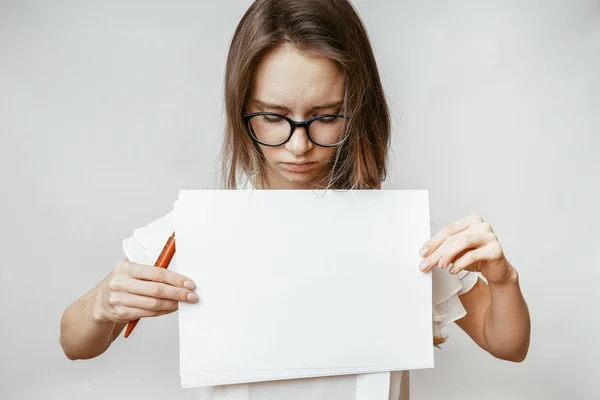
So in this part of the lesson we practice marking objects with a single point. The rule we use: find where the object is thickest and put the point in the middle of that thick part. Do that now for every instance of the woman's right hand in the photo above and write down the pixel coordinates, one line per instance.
(136, 291)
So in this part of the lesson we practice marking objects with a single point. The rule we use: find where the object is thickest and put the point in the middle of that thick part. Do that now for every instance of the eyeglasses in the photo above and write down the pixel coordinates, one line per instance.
(272, 129)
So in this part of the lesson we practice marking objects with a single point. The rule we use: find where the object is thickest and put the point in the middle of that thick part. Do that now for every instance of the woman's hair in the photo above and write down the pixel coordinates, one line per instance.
(329, 28)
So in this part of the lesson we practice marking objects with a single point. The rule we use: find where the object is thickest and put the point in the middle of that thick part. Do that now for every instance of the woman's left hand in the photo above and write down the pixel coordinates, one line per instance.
(467, 244)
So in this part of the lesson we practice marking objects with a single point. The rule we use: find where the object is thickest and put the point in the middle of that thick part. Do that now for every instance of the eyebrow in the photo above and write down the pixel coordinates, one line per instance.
(335, 104)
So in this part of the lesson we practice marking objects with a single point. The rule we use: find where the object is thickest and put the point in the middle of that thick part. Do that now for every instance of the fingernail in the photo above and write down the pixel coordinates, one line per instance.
(450, 266)
(192, 297)
(452, 270)
(441, 264)
(423, 251)
(189, 284)
(424, 264)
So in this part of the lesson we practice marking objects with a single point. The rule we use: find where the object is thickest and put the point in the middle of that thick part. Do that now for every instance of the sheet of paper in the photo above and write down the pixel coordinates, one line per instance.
(301, 283)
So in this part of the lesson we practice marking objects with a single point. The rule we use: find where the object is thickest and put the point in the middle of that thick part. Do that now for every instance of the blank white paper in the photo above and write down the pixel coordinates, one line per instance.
(302, 284)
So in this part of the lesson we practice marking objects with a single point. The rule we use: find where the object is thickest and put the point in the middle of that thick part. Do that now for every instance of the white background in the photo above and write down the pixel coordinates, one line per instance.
(107, 109)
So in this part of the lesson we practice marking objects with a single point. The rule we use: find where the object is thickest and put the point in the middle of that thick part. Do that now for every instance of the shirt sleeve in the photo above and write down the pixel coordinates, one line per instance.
(446, 290)
(146, 243)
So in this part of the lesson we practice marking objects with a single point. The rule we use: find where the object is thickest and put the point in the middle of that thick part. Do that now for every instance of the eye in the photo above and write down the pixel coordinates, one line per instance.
(271, 119)
(329, 120)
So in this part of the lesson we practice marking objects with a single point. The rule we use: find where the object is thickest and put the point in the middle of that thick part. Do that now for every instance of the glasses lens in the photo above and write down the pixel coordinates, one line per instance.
(269, 129)
(328, 130)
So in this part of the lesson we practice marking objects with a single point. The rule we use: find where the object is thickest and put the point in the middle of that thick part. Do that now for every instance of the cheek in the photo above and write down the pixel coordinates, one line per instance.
(271, 154)
(324, 154)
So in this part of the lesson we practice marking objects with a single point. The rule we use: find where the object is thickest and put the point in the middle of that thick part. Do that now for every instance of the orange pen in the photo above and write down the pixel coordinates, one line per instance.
(163, 261)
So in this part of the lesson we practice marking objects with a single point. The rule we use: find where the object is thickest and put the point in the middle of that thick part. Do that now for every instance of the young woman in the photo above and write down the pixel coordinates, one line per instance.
(305, 109)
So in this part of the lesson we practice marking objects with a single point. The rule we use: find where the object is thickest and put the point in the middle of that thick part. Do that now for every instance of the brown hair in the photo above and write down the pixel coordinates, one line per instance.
(329, 28)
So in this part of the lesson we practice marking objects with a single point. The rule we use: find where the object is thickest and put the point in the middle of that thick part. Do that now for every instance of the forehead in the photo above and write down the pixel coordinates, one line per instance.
(297, 79)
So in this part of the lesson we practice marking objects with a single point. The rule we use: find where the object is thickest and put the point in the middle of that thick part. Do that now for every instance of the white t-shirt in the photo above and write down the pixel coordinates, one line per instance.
(144, 247)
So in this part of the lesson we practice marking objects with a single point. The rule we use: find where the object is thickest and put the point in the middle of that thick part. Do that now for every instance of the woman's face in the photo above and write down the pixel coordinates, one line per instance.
(299, 86)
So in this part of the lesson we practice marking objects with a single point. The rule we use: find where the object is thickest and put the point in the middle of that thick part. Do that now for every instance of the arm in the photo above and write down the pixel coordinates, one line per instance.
(497, 316)
(83, 332)
(132, 291)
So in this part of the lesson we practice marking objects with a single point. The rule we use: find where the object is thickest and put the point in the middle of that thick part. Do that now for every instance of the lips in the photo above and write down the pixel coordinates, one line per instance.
(299, 167)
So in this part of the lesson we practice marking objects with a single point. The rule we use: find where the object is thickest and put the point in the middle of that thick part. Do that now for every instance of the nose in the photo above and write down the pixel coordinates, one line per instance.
(299, 143)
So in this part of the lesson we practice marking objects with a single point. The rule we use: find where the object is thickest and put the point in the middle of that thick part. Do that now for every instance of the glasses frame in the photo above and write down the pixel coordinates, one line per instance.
(293, 125)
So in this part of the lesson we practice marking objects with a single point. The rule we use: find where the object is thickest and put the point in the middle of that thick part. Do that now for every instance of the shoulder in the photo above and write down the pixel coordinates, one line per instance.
(446, 292)
(146, 242)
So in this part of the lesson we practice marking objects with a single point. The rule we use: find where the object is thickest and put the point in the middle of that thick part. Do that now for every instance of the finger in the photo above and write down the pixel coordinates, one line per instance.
(490, 252)
(130, 300)
(452, 229)
(126, 314)
(457, 245)
(152, 289)
(156, 274)
(443, 256)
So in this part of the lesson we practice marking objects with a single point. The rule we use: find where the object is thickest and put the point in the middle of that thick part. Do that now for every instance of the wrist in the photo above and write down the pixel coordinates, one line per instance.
(511, 277)
(99, 316)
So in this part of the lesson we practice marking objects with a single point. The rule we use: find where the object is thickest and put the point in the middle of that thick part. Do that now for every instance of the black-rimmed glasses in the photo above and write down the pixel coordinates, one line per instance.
(272, 129)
